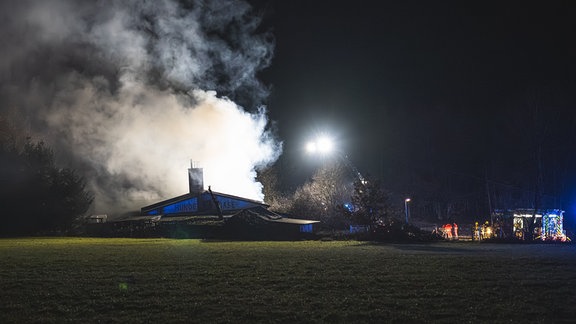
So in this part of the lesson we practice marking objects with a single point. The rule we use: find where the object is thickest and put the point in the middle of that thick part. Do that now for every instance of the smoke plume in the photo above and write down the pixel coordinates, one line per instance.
(129, 92)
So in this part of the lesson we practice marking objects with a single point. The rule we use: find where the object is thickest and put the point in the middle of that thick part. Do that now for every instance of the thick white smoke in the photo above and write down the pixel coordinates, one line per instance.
(132, 91)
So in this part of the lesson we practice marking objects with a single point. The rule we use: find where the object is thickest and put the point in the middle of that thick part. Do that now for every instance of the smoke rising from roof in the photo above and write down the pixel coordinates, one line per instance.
(131, 91)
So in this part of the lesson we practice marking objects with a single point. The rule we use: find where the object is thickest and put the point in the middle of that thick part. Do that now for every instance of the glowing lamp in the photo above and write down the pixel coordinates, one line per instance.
(406, 209)
(311, 147)
(322, 145)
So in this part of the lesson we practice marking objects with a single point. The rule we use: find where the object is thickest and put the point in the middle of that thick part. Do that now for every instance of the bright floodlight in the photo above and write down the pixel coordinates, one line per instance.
(311, 147)
(321, 145)
(324, 145)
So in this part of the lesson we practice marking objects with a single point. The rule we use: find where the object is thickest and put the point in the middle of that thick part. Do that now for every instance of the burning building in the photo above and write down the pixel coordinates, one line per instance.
(199, 202)
(204, 213)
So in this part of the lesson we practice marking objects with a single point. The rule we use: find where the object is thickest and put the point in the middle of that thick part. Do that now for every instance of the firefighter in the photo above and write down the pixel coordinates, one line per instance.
(448, 231)
(455, 228)
(487, 230)
(478, 231)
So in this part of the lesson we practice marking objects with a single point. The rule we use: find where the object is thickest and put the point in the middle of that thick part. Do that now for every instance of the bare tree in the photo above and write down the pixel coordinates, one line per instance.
(273, 196)
(322, 198)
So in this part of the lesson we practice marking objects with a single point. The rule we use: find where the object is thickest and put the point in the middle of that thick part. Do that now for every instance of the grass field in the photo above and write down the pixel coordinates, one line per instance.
(79, 280)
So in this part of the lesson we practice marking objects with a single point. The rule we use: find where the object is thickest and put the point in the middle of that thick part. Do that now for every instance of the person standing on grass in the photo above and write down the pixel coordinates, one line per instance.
(455, 228)
(448, 231)
(478, 231)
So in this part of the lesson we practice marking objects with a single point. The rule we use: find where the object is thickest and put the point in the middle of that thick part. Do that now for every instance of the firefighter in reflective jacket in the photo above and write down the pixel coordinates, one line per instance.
(448, 231)
(455, 228)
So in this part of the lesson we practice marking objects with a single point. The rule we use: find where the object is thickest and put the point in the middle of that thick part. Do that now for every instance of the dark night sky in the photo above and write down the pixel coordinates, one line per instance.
(409, 85)
(434, 98)
(410, 90)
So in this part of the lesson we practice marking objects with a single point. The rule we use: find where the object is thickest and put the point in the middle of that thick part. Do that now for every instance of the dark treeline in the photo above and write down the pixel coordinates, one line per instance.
(37, 197)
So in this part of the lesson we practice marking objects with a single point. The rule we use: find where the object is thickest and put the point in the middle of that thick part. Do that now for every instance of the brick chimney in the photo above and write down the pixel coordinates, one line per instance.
(195, 178)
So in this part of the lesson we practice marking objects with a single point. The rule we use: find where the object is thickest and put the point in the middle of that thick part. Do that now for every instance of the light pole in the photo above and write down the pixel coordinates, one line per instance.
(406, 209)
